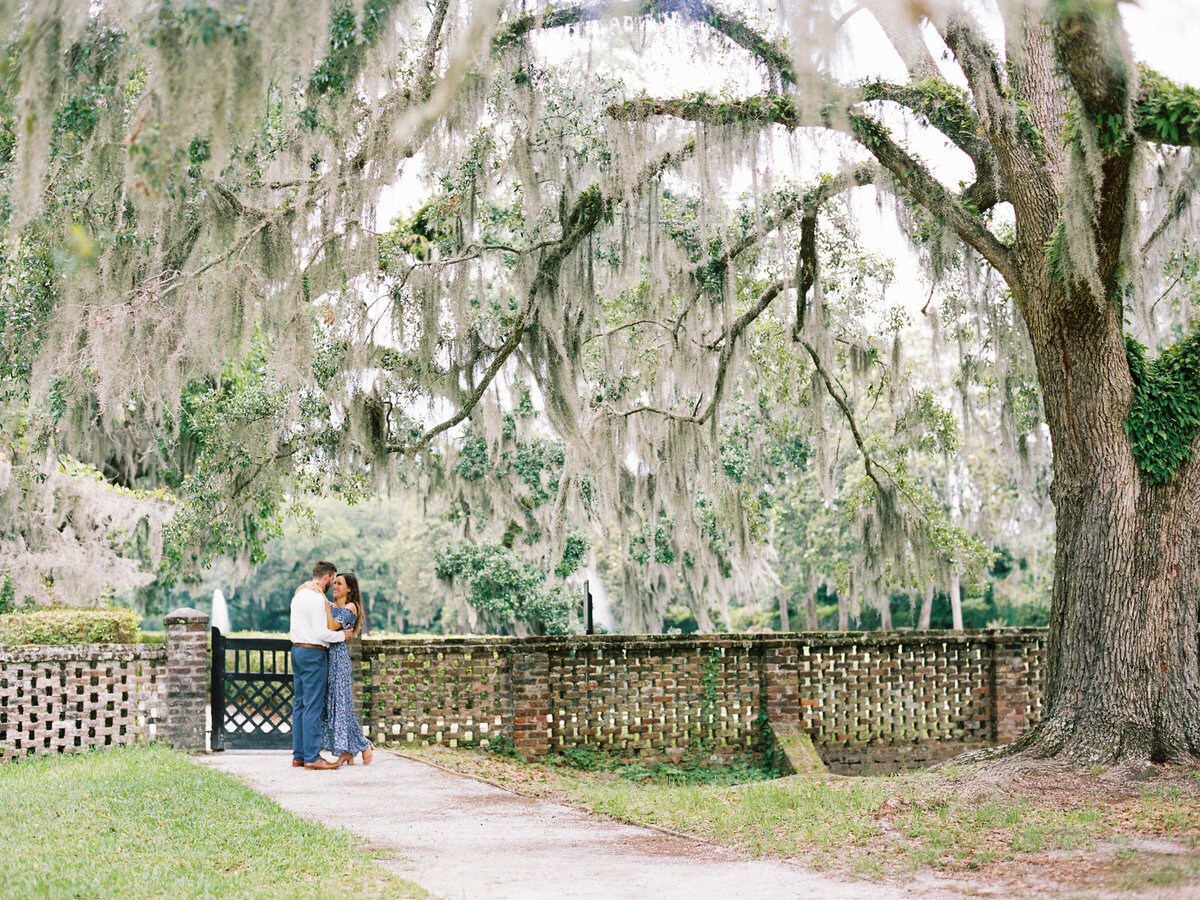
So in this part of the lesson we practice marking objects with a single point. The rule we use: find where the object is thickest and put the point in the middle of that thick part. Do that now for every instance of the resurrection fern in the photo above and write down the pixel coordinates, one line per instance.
(1165, 413)
(1166, 111)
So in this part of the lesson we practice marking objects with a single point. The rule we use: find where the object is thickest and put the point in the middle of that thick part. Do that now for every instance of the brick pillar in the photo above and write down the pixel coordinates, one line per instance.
(187, 685)
(781, 684)
(531, 703)
(785, 738)
(1011, 697)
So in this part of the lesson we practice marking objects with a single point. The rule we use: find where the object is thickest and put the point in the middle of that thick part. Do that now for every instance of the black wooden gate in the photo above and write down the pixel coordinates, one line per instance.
(251, 692)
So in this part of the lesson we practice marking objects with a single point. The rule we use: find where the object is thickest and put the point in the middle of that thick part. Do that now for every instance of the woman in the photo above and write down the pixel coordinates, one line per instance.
(340, 733)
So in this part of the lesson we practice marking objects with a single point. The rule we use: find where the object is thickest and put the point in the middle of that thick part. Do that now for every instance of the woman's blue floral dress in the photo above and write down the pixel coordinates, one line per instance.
(340, 731)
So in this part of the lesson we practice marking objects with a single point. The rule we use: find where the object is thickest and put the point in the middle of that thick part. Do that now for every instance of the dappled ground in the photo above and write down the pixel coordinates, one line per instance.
(1042, 834)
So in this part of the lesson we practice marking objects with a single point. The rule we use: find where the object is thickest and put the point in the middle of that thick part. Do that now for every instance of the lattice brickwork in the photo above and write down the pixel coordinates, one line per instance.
(867, 700)
(67, 699)
(644, 698)
(896, 690)
(444, 691)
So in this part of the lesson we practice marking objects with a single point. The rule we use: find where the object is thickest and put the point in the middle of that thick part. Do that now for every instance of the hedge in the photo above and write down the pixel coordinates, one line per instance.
(62, 625)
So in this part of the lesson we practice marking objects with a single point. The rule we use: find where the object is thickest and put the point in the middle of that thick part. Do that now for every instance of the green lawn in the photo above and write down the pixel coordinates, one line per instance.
(149, 823)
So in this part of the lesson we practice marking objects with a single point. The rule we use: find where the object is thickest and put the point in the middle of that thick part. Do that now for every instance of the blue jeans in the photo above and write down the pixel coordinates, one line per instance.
(310, 672)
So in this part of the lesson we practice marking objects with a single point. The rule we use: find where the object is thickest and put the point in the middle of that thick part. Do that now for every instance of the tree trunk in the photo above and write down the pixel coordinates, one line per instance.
(926, 607)
(1122, 679)
(784, 624)
(885, 613)
(1122, 676)
(810, 608)
(843, 613)
(955, 601)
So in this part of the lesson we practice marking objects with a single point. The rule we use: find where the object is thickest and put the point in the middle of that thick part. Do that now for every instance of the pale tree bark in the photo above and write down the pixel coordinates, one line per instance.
(926, 607)
(784, 624)
(810, 607)
(956, 601)
(885, 614)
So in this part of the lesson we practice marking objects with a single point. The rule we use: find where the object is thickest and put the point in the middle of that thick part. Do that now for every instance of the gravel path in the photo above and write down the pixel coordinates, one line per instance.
(458, 837)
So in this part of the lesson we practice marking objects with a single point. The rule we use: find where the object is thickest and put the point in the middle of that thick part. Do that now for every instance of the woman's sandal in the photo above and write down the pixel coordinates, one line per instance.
(346, 759)
(368, 753)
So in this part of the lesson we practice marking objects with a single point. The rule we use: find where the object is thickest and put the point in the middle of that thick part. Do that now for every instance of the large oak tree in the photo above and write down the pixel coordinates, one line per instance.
(191, 184)
(1055, 120)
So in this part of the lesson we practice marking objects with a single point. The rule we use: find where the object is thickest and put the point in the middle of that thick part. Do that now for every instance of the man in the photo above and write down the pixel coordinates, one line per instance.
(310, 667)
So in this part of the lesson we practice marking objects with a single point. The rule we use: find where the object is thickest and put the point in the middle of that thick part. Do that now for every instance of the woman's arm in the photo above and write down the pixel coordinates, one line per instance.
(331, 623)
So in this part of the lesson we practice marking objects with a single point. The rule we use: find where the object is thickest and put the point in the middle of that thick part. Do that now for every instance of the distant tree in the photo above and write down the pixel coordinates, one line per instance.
(387, 542)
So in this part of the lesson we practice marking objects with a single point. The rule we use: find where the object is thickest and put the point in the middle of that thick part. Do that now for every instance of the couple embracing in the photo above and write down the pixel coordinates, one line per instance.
(323, 701)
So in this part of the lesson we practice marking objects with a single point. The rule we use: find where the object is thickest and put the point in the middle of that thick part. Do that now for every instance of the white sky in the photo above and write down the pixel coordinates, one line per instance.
(1166, 34)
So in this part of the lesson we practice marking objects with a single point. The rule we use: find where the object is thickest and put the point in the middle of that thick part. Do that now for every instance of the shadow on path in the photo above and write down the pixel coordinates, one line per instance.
(457, 837)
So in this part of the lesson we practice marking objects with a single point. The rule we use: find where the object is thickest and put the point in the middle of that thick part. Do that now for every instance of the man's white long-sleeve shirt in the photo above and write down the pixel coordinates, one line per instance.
(308, 622)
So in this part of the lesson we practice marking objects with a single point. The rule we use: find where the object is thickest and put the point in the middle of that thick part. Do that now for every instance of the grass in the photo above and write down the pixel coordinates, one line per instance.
(891, 826)
(687, 771)
(147, 822)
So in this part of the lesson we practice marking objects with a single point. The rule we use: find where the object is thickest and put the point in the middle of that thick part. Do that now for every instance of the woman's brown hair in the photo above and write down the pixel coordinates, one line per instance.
(354, 596)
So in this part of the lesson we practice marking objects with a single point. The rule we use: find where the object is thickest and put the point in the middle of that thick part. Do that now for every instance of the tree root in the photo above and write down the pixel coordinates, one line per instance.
(1037, 766)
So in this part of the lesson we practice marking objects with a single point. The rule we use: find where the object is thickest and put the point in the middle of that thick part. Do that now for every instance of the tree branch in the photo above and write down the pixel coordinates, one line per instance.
(868, 462)
(627, 325)
(901, 28)
(1092, 48)
(810, 202)
(423, 84)
(1014, 139)
(732, 26)
(855, 176)
(907, 170)
(948, 109)
(472, 252)
(726, 344)
(977, 59)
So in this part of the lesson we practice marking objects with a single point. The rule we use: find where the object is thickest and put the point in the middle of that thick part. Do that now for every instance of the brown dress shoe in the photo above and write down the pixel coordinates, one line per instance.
(322, 764)
(297, 764)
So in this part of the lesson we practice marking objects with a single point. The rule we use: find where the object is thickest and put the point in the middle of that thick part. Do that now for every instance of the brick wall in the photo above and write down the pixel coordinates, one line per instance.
(874, 702)
(870, 702)
(65, 699)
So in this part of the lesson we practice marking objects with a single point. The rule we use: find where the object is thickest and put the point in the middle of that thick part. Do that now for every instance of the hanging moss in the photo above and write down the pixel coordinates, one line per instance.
(1165, 413)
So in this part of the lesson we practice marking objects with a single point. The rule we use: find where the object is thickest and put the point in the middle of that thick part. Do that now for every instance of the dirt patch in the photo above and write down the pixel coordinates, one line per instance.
(1055, 785)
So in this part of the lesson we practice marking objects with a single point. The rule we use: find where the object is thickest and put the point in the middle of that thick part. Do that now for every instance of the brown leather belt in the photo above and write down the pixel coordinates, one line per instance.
(311, 646)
